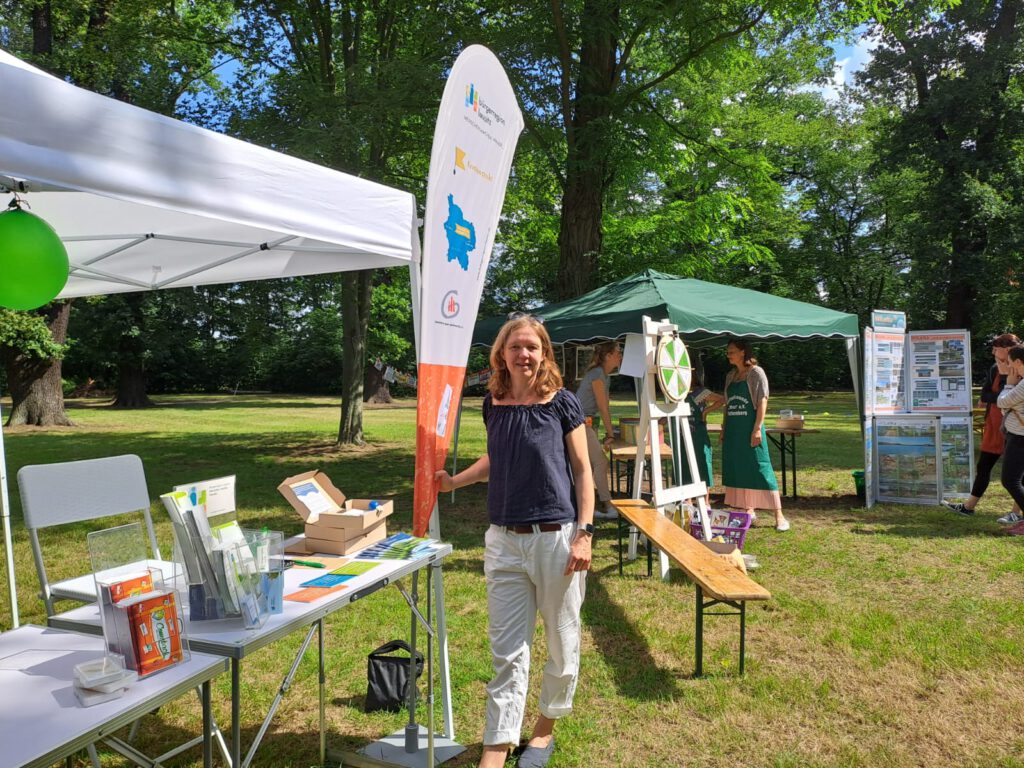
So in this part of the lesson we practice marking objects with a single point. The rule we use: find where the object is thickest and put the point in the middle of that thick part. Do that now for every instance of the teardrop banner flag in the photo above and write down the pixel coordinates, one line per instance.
(478, 125)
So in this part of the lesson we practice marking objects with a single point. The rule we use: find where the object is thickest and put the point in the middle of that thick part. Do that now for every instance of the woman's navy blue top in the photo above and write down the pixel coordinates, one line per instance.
(530, 479)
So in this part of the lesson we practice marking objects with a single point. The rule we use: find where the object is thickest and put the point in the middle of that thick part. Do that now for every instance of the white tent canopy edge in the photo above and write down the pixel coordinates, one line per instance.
(143, 201)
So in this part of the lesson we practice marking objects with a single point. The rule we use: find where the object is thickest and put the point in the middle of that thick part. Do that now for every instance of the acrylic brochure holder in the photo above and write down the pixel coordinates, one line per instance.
(231, 572)
(140, 606)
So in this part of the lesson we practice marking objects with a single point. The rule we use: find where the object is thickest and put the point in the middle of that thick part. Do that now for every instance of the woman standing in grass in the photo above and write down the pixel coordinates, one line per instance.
(1011, 403)
(747, 472)
(540, 500)
(992, 433)
(593, 396)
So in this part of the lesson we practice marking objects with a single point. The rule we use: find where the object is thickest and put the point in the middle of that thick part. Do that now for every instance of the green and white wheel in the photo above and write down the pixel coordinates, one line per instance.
(674, 373)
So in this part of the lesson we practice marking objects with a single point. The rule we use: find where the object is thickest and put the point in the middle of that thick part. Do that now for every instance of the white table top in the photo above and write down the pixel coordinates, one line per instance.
(41, 720)
(227, 637)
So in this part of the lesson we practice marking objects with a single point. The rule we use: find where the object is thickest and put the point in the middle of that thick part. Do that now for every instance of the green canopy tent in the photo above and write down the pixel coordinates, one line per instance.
(705, 313)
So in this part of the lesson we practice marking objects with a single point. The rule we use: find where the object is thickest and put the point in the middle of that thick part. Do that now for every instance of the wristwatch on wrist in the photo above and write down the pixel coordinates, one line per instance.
(587, 528)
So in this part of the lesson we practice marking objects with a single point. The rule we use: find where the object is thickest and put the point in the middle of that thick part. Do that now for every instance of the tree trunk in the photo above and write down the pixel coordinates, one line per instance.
(36, 391)
(580, 232)
(356, 291)
(131, 388)
(131, 356)
(375, 388)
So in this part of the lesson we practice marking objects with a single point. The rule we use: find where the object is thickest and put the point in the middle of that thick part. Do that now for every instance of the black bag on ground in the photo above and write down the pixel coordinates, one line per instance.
(387, 676)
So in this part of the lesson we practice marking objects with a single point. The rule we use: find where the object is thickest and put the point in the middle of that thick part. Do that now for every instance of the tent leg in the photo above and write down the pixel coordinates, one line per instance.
(441, 629)
(5, 513)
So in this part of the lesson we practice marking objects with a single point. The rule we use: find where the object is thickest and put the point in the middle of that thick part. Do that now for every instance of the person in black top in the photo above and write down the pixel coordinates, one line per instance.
(540, 501)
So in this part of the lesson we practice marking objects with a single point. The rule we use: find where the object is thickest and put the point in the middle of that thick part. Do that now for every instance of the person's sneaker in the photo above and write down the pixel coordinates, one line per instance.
(1015, 530)
(783, 526)
(1010, 518)
(959, 508)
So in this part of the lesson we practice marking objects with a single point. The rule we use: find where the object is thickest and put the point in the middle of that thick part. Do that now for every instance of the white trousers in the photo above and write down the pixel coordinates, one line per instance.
(526, 574)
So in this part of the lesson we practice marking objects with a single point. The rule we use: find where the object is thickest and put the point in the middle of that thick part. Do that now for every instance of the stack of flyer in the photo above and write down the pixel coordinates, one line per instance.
(222, 565)
(102, 679)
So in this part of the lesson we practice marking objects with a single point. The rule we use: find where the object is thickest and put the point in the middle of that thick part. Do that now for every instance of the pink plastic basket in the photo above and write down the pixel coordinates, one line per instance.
(735, 531)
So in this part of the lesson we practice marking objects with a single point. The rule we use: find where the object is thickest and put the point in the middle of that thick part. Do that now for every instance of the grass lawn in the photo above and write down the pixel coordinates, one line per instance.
(892, 639)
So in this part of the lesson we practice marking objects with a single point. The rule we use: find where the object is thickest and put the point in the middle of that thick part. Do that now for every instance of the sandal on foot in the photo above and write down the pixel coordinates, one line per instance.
(536, 757)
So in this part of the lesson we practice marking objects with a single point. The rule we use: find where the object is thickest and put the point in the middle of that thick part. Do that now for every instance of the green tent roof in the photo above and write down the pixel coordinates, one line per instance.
(704, 312)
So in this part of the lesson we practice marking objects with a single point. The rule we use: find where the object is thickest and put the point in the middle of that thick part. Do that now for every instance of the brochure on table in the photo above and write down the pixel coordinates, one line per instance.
(919, 447)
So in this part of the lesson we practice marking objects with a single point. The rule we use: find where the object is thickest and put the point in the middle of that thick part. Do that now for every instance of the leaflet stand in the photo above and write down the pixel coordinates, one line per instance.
(139, 606)
(668, 363)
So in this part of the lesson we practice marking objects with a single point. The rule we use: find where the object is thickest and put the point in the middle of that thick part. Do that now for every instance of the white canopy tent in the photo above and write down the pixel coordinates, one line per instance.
(144, 202)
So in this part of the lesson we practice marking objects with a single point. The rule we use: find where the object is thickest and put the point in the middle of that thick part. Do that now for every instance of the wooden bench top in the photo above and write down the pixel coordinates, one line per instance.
(714, 575)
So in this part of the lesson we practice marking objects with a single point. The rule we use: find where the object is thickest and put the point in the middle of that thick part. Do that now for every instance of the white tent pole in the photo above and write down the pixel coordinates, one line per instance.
(5, 512)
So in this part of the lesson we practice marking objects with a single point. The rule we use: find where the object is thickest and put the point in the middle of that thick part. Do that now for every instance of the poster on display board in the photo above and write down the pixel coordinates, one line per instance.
(886, 388)
(939, 371)
(908, 459)
(957, 456)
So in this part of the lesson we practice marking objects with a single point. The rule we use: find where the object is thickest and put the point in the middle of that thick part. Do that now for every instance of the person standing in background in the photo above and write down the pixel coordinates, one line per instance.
(593, 396)
(1011, 403)
(747, 472)
(992, 442)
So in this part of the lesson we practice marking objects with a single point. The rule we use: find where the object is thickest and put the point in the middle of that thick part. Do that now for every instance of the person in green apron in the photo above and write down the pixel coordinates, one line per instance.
(747, 472)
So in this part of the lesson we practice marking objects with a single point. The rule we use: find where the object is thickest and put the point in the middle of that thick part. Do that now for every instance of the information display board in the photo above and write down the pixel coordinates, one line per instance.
(939, 371)
(886, 387)
(908, 458)
(957, 456)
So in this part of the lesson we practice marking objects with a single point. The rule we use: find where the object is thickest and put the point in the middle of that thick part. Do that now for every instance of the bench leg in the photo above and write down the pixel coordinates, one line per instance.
(698, 637)
(743, 633)
(702, 611)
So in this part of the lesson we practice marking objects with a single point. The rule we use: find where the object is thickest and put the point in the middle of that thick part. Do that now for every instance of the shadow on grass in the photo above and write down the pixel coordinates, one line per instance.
(906, 520)
(624, 649)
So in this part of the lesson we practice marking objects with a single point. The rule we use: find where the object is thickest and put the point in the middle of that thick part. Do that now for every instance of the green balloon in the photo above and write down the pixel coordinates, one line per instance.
(33, 261)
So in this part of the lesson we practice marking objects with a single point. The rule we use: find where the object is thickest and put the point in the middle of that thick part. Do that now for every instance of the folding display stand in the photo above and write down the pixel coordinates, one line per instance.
(668, 364)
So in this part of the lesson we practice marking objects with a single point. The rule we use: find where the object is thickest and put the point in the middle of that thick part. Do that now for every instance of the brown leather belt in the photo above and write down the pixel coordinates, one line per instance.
(537, 528)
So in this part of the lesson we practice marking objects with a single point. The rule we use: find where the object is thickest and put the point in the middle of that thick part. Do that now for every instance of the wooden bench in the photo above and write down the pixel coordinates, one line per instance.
(712, 575)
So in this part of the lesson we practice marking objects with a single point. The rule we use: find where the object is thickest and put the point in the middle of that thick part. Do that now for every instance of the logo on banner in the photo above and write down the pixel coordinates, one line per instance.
(449, 305)
(461, 235)
(462, 163)
(478, 105)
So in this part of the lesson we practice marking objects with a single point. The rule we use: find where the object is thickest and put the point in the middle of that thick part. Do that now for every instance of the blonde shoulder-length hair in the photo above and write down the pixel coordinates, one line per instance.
(549, 378)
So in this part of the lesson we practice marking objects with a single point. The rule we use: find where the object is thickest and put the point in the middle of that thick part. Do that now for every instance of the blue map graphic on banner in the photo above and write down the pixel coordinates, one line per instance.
(461, 235)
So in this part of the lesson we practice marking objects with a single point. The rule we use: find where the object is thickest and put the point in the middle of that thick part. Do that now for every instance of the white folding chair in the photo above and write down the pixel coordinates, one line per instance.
(75, 492)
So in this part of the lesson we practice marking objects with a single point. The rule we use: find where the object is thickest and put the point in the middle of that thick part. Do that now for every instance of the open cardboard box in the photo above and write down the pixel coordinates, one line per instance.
(728, 552)
(334, 524)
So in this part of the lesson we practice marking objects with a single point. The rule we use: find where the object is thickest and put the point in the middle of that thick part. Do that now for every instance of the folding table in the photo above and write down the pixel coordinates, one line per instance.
(41, 720)
(227, 638)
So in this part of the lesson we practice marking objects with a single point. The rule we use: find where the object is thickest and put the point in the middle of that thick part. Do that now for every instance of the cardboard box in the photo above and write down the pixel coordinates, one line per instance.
(345, 546)
(355, 516)
(312, 493)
